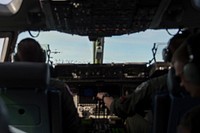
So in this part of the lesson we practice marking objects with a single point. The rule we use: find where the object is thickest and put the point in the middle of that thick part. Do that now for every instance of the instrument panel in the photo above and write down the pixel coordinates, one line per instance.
(86, 80)
(101, 71)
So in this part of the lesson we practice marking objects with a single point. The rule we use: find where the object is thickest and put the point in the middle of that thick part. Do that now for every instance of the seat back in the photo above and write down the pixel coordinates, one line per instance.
(169, 109)
(179, 106)
(24, 91)
(180, 103)
(161, 113)
(55, 110)
(167, 104)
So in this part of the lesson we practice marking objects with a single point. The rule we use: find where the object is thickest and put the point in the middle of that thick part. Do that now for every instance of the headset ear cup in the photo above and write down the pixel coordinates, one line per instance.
(166, 55)
(43, 56)
(169, 56)
(191, 73)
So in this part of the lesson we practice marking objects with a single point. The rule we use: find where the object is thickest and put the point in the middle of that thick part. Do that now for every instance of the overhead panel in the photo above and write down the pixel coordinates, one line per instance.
(101, 18)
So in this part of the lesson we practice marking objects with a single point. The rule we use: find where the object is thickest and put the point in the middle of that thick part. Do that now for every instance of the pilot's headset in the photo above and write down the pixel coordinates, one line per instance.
(41, 54)
(191, 70)
(166, 54)
(174, 43)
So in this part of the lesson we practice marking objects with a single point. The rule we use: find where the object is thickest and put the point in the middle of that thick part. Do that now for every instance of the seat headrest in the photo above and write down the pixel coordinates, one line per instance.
(24, 74)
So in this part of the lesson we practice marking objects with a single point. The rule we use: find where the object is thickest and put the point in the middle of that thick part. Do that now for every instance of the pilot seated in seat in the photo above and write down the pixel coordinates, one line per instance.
(126, 107)
(187, 66)
(29, 50)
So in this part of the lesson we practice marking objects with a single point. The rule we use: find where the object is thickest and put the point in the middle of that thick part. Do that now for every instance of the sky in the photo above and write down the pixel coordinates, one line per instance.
(136, 47)
(5, 1)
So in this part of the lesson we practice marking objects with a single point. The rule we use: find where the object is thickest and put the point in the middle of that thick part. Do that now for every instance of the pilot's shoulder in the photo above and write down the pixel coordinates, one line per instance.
(162, 78)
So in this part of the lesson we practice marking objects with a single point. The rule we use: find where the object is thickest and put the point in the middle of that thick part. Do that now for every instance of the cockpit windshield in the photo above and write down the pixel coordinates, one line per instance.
(137, 47)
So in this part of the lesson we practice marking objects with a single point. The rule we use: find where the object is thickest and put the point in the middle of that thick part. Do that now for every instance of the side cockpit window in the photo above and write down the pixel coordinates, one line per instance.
(9, 7)
(3, 47)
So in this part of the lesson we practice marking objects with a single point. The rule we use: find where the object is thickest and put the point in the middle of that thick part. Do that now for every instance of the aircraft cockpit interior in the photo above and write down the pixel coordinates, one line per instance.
(82, 42)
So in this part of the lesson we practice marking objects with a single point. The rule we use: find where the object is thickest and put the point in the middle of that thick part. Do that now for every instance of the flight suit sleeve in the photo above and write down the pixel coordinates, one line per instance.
(125, 106)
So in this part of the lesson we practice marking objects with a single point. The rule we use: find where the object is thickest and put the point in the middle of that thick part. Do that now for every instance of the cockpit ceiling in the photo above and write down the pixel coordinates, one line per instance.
(103, 17)
(99, 18)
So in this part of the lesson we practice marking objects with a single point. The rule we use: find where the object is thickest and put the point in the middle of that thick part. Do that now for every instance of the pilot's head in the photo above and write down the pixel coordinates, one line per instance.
(186, 63)
(173, 44)
(29, 50)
